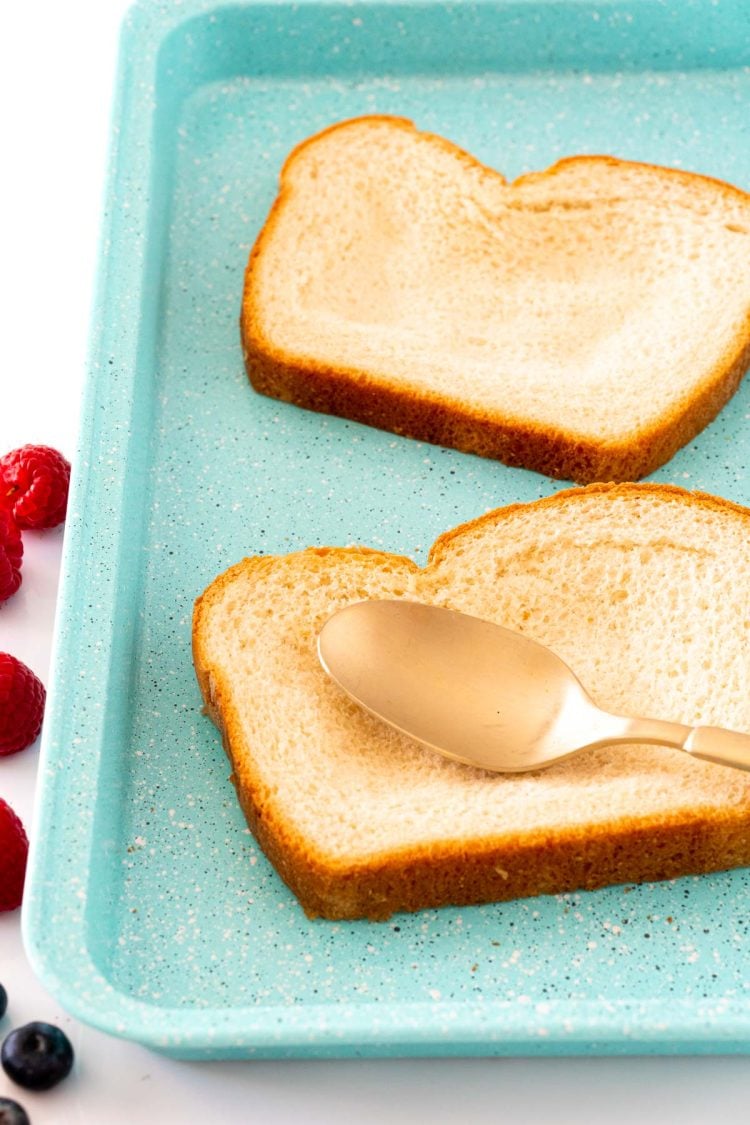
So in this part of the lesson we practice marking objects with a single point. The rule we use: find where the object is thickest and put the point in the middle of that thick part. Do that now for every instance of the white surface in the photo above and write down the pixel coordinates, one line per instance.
(56, 71)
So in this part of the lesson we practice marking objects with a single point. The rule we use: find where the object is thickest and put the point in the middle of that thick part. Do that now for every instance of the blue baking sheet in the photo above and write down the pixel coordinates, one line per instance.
(150, 911)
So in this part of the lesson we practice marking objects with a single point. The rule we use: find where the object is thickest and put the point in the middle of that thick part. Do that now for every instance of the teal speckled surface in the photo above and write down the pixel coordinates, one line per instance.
(150, 911)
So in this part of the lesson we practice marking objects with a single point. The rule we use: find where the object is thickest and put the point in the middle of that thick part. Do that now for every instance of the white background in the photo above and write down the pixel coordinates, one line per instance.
(56, 72)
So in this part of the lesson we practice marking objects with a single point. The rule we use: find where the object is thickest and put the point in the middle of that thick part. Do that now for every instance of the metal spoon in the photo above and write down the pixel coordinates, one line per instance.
(483, 694)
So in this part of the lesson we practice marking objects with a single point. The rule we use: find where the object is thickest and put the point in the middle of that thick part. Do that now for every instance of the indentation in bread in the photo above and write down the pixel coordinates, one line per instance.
(586, 321)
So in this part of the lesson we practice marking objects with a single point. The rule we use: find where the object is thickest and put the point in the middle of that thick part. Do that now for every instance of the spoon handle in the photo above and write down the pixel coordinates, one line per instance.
(724, 747)
(713, 744)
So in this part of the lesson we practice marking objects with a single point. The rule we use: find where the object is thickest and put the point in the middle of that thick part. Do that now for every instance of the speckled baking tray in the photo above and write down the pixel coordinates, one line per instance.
(150, 911)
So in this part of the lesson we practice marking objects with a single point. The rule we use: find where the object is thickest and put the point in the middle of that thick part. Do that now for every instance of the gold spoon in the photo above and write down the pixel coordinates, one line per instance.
(483, 694)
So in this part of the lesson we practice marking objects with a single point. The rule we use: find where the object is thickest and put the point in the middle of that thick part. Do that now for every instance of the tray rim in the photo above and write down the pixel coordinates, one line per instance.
(498, 1027)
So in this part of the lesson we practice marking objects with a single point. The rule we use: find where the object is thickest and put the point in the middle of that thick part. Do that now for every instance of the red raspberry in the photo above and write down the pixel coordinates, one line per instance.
(11, 553)
(22, 698)
(14, 850)
(34, 484)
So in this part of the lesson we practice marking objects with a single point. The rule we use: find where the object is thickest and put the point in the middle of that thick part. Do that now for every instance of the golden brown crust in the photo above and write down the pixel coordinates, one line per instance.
(556, 452)
(551, 865)
(467, 871)
(646, 489)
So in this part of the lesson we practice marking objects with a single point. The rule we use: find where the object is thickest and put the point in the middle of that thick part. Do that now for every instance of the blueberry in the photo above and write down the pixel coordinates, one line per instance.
(11, 1113)
(37, 1055)
(3, 1009)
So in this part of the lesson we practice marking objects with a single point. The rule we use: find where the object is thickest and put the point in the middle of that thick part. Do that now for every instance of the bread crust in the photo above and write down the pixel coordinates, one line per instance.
(557, 452)
(460, 871)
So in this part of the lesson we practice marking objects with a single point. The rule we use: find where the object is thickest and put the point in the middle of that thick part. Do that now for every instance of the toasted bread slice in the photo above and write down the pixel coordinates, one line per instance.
(641, 588)
(586, 321)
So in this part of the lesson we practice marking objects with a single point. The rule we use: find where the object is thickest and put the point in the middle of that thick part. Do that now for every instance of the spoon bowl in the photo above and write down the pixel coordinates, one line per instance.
(485, 695)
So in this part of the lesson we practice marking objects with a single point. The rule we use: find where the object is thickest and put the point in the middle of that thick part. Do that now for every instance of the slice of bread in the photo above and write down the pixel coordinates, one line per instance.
(642, 589)
(586, 321)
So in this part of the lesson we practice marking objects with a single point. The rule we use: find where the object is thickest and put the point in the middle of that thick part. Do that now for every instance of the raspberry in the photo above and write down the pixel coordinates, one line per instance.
(11, 553)
(34, 484)
(14, 849)
(22, 698)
